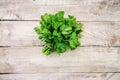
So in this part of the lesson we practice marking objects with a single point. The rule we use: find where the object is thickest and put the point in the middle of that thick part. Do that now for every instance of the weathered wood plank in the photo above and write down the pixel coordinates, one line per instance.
(50, 2)
(83, 59)
(61, 76)
(83, 10)
(21, 33)
(114, 76)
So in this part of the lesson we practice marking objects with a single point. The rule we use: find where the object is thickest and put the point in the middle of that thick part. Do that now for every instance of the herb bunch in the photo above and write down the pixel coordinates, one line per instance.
(59, 33)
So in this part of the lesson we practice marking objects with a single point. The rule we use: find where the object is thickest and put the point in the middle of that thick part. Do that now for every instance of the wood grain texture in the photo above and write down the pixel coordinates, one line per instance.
(97, 59)
(21, 33)
(83, 10)
(83, 59)
(62, 76)
(51, 2)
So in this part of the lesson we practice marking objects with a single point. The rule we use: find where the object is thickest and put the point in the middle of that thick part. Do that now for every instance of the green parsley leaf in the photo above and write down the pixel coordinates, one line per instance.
(59, 33)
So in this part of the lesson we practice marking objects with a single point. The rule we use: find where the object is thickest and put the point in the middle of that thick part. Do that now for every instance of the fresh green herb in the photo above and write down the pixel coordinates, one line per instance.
(59, 33)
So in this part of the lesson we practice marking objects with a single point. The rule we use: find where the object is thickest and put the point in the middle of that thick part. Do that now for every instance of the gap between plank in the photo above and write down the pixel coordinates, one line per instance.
(58, 72)
(42, 46)
(39, 20)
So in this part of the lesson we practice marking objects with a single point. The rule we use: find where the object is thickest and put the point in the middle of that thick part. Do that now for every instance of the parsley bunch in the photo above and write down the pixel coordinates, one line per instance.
(59, 33)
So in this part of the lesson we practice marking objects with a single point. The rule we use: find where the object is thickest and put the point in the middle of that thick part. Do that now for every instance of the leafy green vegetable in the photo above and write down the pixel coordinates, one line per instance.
(59, 33)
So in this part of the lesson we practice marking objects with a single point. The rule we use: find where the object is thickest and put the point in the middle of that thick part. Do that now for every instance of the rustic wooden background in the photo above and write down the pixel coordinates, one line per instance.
(98, 58)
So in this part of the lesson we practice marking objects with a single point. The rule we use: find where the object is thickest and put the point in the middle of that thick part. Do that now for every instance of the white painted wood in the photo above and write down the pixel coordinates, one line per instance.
(83, 59)
(68, 66)
(51, 2)
(114, 76)
(21, 33)
(60, 76)
(83, 10)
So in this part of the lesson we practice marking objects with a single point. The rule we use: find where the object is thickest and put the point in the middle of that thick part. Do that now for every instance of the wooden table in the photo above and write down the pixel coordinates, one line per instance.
(21, 57)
